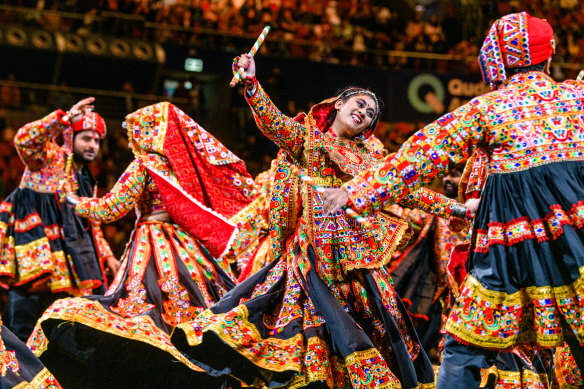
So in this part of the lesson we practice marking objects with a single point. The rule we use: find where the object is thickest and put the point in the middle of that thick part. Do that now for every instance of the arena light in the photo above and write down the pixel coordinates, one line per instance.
(42, 39)
(16, 36)
(120, 48)
(193, 65)
(96, 45)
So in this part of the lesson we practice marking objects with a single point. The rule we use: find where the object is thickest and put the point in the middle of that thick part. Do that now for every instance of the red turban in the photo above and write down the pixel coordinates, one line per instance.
(91, 121)
(515, 40)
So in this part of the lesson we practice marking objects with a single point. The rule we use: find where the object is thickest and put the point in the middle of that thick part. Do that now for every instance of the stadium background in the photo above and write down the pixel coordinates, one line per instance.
(418, 56)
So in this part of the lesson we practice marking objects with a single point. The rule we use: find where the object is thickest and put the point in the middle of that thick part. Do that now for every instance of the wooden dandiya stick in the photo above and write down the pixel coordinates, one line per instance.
(349, 211)
(256, 46)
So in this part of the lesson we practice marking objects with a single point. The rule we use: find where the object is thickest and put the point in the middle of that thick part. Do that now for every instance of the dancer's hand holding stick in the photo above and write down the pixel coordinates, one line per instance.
(238, 75)
(351, 212)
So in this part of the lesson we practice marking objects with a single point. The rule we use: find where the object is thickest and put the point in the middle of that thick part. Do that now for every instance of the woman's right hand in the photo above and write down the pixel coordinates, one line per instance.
(247, 62)
(472, 205)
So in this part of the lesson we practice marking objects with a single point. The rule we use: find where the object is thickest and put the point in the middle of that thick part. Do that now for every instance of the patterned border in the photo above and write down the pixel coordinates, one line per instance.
(92, 314)
(498, 320)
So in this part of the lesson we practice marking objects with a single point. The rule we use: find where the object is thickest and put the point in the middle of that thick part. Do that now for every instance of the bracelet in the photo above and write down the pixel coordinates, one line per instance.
(71, 199)
(250, 82)
(71, 114)
(459, 211)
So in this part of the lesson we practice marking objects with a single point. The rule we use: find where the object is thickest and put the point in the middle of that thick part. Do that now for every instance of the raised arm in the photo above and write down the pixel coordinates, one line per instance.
(120, 200)
(287, 133)
(32, 139)
(434, 203)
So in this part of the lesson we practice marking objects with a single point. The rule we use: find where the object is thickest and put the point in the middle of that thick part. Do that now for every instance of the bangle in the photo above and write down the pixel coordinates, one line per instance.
(459, 211)
(71, 199)
(250, 82)
(72, 114)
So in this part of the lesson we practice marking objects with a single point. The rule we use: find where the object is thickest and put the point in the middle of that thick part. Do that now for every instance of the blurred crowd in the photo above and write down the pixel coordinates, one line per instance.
(339, 31)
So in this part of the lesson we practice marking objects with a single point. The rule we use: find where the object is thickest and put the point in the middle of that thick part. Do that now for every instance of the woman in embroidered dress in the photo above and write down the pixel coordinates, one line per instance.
(184, 185)
(526, 261)
(324, 312)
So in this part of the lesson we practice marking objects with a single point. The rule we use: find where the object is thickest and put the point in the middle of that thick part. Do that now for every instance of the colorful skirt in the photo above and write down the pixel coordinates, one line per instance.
(526, 266)
(567, 372)
(121, 339)
(286, 327)
(524, 368)
(19, 368)
(46, 246)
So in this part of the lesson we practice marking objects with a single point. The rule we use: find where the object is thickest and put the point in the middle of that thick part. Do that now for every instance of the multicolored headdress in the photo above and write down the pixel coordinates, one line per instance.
(91, 121)
(515, 40)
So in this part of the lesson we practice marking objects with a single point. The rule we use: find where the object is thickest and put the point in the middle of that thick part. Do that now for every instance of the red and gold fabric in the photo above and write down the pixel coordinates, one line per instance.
(529, 224)
(324, 310)
(184, 186)
(19, 368)
(32, 241)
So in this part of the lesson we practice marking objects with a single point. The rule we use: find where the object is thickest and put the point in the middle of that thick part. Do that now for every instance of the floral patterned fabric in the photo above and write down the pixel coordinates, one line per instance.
(167, 277)
(19, 368)
(33, 247)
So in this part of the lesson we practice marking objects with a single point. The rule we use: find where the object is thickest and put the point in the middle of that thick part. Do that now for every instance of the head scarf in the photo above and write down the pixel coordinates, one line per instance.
(91, 121)
(515, 40)
(320, 112)
(201, 182)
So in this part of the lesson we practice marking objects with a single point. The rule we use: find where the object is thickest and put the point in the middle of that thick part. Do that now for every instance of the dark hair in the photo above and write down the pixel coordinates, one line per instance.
(531, 68)
(349, 91)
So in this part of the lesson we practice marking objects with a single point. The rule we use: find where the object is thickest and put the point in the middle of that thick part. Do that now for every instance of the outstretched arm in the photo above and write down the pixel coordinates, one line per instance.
(119, 201)
(450, 139)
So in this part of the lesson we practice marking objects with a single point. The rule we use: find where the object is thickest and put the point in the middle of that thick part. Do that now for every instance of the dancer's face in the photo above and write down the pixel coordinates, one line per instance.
(86, 145)
(354, 115)
(451, 182)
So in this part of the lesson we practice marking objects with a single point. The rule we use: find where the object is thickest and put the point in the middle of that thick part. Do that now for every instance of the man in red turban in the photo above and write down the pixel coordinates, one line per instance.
(46, 251)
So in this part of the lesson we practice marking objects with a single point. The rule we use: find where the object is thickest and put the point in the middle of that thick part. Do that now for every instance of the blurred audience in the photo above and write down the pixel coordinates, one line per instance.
(327, 30)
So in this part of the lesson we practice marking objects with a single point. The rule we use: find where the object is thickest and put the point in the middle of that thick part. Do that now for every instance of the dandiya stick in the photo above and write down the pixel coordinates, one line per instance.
(349, 211)
(256, 46)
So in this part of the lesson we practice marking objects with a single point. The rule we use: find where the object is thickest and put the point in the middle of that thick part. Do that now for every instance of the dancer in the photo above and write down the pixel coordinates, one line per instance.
(48, 252)
(324, 312)
(184, 185)
(256, 243)
(527, 255)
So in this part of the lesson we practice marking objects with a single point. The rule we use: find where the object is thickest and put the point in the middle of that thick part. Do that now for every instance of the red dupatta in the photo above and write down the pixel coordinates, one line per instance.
(201, 182)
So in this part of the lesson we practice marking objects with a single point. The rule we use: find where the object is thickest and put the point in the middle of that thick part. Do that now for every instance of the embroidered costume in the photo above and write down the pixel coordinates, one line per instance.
(324, 312)
(46, 248)
(526, 260)
(19, 368)
(419, 273)
(184, 185)
(252, 247)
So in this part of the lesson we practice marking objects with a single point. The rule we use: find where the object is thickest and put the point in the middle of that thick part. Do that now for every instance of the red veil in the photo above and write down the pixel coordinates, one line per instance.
(201, 182)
